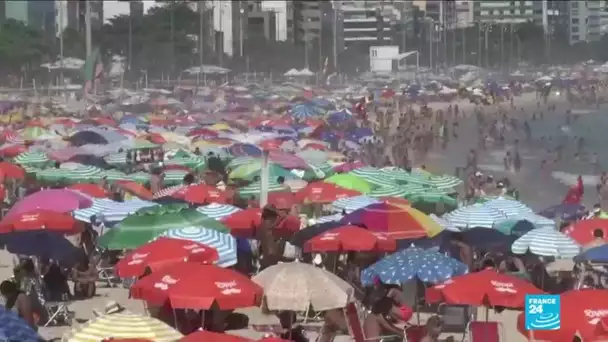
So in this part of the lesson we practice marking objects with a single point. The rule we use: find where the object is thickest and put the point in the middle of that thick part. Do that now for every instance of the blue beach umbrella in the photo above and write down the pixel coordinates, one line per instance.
(594, 255)
(243, 150)
(110, 211)
(302, 111)
(428, 265)
(14, 328)
(225, 244)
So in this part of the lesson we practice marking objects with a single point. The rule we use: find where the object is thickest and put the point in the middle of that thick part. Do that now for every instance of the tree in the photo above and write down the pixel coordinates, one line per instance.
(22, 47)
(159, 42)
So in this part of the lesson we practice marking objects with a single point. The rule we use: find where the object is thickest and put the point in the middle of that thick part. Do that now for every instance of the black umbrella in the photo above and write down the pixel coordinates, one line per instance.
(300, 238)
(87, 137)
(487, 239)
(88, 159)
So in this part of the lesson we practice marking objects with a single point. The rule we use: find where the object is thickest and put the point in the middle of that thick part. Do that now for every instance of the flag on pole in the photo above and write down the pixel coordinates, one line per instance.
(93, 68)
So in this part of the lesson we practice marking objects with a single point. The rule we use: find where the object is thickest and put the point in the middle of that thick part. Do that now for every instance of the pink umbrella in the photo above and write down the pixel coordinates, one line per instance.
(287, 160)
(348, 167)
(57, 200)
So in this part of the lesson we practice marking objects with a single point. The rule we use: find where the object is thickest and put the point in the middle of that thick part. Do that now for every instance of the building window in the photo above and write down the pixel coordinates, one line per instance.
(574, 29)
(575, 20)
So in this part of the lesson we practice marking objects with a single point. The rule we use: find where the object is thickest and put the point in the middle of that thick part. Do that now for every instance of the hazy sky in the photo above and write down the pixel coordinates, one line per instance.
(113, 8)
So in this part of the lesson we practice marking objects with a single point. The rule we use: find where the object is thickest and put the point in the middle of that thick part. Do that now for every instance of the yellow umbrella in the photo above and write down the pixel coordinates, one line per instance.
(176, 138)
(431, 226)
(122, 325)
(219, 127)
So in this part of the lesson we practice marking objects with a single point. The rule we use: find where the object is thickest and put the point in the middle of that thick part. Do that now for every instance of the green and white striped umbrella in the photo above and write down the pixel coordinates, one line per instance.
(140, 177)
(238, 161)
(431, 196)
(116, 159)
(174, 177)
(375, 178)
(401, 176)
(367, 171)
(191, 162)
(81, 173)
(394, 191)
(115, 175)
(31, 169)
(254, 189)
(31, 159)
(443, 181)
(325, 167)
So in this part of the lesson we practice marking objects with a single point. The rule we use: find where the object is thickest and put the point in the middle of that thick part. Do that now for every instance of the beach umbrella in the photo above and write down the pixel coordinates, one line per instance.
(582, 313)
(115, 176)
(302, 111)
(225, 244)
(398, 222)
(87, 137)
(56, 200)
(31, 159)
(443, 182)
(243, 223)
(565, 212)
(163, 252)
(430, 196)
(74, 173)
(583, 231)
(172, 177)
(238, 161)
(596, 255)
(484, 288)
(253, 170)
(389, 191)
(190, 162)
(44, 220)
(312, 173)
(218, 211)
(111, 211)
(321, 192)
(325, 167)
(14, 328)
(374, 178)
(298, 286)
(350, 182)
(253, 190)
(245, 150)
(416, 176)
(428, 265)
(169, 191)
(147, 223)
(11, 171)
(475, 215)
(525, 223)
(198, 194)
(546, 242)
(134, 189)
(350, 238)
(123, 325)
(200, 287)
(116, 158)
(300, 237)
(139, 177)
(93, 190)
(350, 204)
(509, 207)
(487, 239)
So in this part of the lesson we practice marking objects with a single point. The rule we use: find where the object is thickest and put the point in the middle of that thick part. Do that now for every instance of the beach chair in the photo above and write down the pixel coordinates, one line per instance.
(455, 318)
(105, 270)
(58, 312)
(479, 331)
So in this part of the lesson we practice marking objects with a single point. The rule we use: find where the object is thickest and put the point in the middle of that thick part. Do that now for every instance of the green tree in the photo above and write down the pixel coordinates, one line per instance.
(160, 42)
(22, 47)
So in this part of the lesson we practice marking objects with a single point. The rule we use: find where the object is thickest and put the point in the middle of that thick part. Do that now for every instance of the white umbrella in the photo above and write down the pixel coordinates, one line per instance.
(297, 286)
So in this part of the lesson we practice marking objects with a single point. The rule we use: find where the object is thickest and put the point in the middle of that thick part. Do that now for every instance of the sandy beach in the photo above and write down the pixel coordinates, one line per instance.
(536, 190)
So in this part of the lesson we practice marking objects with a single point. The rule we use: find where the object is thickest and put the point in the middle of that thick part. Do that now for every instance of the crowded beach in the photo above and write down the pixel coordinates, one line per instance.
(291, 213)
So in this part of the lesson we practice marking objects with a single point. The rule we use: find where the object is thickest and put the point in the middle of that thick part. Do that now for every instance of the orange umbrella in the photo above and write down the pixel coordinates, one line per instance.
(135, 189)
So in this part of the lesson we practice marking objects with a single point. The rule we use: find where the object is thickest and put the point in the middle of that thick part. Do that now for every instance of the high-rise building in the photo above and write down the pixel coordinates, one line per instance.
(585, 20)
(464, 14)
(76, 12)
(40, 14)
(442, 12)
(367, 23)
(506, 12)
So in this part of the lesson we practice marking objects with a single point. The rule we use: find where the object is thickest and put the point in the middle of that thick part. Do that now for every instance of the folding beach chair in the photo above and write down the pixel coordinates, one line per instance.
(354, 320)
(58, 312)
(105, 269)
(485, 331)
(455, 318)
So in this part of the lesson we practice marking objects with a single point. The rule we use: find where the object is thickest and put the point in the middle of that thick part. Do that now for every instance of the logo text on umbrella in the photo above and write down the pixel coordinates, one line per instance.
(503, 287)
(329, 236)
(165, 283)
(228, 288)
(595, 316)
(137, 258)
(194, 248)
